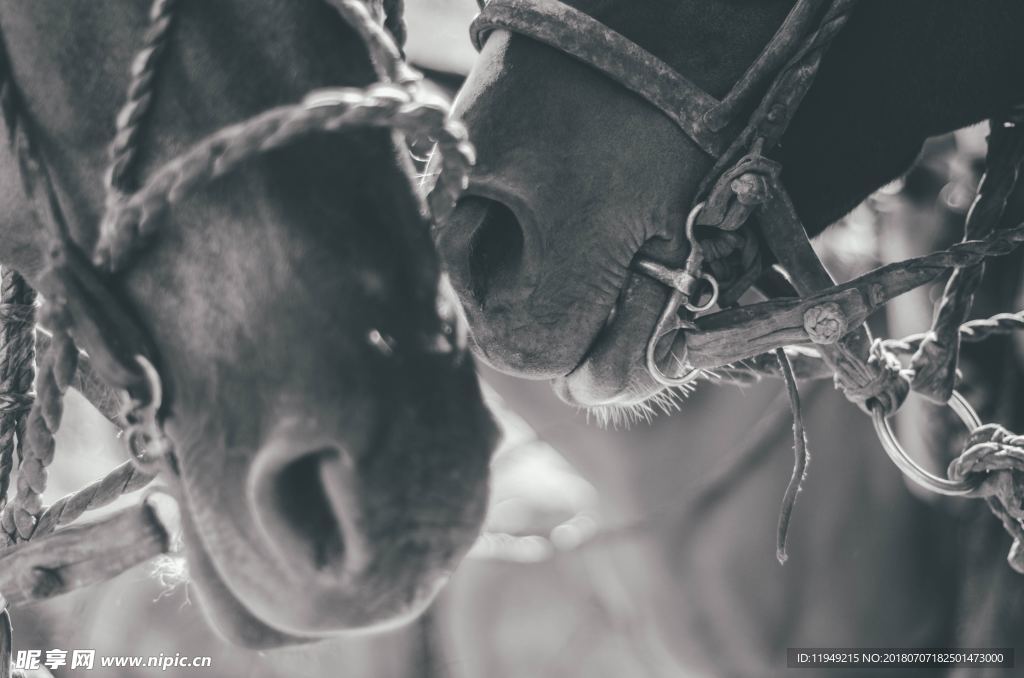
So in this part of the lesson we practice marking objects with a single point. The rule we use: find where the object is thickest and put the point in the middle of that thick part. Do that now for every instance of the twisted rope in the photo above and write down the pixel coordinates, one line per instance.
(124, 149)
(330, 110)
(17, 369)
(973, 331)
(36, 435)
(384, 52)
(934, 363)
(52, 380)
(124, 479)
(995, 458)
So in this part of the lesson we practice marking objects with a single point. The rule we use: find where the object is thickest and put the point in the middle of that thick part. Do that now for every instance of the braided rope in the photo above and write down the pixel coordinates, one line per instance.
(935, 361)
(34, 432)
(995, 457)
(973, 331)
(124, 479)
(52, 380)
(124, 149)
(17, 369)
(330, 110)
(384, 52)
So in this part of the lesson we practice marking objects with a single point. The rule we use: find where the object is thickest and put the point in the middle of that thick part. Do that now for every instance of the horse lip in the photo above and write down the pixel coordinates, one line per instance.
(612, 370)
(601, 333)
(673, 251)
(578, 387)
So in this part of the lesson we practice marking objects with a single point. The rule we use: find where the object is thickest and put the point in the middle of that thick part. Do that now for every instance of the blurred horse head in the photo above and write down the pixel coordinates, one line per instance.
(331, 441)
(577, 175)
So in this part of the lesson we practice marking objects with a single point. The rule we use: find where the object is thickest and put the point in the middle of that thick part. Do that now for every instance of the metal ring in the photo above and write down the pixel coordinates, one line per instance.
(662, 329)
(154, 384)
(677, 298)
(691, 220)
(712, 300)
(905, 463)
(661, 377)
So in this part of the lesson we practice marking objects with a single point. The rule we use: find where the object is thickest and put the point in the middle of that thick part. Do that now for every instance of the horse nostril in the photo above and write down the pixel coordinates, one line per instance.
(303, 501)
(495, 251)
(297, 494)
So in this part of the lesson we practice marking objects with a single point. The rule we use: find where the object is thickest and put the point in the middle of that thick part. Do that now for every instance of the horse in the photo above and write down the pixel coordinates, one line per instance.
(578, 178)
(545, 279)
(330, 443)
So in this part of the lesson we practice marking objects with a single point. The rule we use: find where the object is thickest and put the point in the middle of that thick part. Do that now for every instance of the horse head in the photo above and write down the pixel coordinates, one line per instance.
(578, 177)
(330, 438)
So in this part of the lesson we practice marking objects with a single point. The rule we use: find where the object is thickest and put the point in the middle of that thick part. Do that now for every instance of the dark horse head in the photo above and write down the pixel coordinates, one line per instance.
(576, 175)
(330, 435)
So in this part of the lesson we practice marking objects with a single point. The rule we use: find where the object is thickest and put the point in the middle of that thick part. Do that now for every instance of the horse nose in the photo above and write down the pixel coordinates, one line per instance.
(302, 493)
(484, 247)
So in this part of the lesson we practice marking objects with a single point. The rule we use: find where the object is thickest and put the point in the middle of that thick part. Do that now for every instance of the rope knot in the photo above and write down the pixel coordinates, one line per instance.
(825, 323)
(888, 384)
(995, 457)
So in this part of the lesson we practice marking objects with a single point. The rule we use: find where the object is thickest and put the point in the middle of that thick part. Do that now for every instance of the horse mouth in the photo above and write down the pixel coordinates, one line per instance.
(530, 317)
(612, 371)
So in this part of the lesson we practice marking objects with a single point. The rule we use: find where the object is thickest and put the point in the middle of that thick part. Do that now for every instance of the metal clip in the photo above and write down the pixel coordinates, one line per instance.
(147, 443)
(686, 291)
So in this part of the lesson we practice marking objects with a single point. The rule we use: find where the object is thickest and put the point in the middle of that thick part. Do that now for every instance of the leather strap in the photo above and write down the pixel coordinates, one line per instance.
(101, 323)
(581, 36)
(707, 121)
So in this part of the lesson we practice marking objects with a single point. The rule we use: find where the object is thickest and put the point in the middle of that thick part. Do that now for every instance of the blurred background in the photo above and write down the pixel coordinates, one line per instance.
(642, 551)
